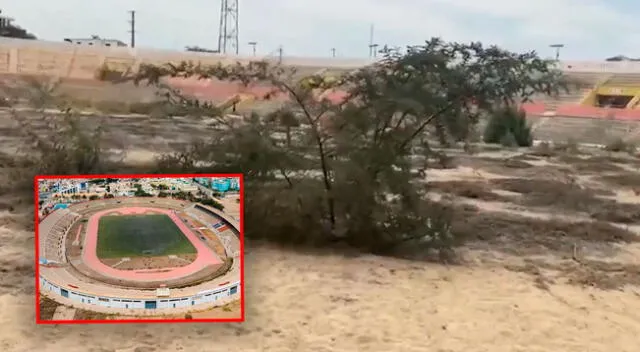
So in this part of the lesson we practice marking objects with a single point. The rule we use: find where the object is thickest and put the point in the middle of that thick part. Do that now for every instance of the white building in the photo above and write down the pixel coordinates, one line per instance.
(96, 41)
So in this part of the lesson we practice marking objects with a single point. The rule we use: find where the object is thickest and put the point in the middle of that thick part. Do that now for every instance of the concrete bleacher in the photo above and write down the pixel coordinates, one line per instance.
(586, 79)
(90, 207)
(584, 130)
(573, 96)
(624, 80)
(52, 234)
(228, 238)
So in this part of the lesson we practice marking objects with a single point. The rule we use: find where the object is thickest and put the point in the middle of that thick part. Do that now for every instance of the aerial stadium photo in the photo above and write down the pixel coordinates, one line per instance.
(132, 249)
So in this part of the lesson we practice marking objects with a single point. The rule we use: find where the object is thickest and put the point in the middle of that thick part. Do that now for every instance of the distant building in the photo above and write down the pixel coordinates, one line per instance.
(5, 21)
(225, 184)
(96, 41)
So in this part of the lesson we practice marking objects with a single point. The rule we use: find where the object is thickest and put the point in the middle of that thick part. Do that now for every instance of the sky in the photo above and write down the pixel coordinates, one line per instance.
(589, 29)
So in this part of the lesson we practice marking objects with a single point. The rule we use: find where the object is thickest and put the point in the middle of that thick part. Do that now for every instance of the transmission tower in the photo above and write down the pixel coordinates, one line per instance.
(228, 31)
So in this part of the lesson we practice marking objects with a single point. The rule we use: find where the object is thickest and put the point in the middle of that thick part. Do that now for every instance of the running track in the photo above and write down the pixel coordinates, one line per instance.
(90, 257)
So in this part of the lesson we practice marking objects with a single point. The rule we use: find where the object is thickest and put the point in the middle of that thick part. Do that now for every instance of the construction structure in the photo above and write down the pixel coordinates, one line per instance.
(228, 30)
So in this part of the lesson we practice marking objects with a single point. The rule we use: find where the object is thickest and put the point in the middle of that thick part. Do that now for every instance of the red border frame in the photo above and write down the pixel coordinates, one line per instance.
(36, 198)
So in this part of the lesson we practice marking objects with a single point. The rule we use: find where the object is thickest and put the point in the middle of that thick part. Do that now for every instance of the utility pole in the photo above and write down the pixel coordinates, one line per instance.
(132, 21)
(253, 47)
(374, 50)
(280, 54)
(228, 30)
(333, 52)
(557, 47)
(371, 52)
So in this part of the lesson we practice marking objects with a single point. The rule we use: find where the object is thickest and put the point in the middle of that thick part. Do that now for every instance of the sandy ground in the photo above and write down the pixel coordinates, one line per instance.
(299, 302)
(327, 302)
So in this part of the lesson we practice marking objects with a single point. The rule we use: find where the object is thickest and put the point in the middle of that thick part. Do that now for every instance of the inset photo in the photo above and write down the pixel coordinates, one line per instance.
(139, 248)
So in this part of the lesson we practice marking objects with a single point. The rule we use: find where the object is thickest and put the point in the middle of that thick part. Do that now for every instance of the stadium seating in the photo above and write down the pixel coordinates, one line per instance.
(624, 80)
(54, 233)
(552, 103)
(228, 238)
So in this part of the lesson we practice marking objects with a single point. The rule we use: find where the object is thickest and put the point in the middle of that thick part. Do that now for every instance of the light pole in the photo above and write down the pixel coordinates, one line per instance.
(557, 47)
(374, 50)
(253, 47)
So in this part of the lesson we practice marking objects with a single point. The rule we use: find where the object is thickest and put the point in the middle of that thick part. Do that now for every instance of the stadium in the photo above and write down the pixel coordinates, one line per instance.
(602, 95)
(182, 256)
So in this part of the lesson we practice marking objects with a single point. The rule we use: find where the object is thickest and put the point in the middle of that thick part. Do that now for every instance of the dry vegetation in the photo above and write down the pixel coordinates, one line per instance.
(568, 222)
(539, 227)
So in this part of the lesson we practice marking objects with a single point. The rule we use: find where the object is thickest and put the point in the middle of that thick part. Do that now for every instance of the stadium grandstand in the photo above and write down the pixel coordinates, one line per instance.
(598, 89)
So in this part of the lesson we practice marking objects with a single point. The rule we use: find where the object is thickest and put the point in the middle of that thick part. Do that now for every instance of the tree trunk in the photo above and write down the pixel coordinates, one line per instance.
(288, 132)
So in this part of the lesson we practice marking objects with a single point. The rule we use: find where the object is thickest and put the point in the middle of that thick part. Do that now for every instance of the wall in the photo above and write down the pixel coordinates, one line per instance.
(65, 60)
(60, 59)
(615, 90)
(600, 66)
(138, 303)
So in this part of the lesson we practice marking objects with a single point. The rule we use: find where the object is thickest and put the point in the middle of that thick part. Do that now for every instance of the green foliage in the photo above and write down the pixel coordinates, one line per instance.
(508, 140)
(210, 202)
(343, 171)
(508, 126)
(140, 235)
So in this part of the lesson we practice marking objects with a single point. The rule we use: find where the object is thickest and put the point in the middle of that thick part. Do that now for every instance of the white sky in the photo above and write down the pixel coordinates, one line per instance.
(591, 29)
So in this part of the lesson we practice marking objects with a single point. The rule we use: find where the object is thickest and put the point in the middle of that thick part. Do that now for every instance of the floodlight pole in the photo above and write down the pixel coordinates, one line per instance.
(253, 47)
(557, 47)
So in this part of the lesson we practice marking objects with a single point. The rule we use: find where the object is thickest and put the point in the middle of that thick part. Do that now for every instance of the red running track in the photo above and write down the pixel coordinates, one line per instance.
(205, 257)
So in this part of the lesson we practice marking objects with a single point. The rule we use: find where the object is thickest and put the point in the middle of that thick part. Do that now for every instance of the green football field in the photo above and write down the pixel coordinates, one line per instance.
(140, 235)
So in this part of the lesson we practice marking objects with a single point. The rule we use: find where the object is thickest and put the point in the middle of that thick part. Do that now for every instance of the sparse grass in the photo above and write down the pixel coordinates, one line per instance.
(603, 275)
(630, 179)
(83, 314)
(525, 157)
(466, 189)
(620, 145)
(625, 213)
(47, 307)
(571, 197)
(591, 163)
(523, 233)
(516, 163)
(549, 188)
